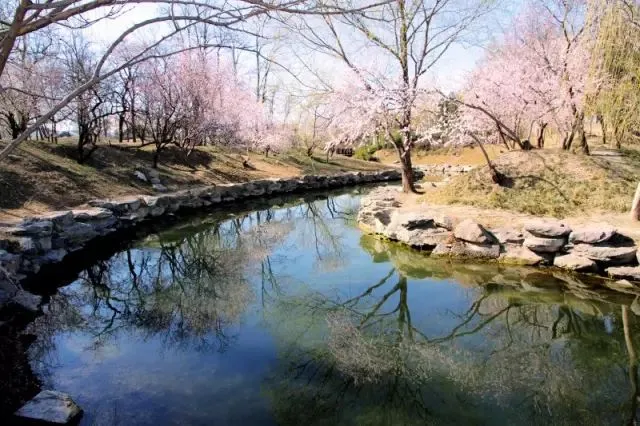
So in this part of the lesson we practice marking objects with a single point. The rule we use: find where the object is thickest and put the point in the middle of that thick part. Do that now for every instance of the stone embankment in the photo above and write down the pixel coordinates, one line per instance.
(27, 245)
(596, 248)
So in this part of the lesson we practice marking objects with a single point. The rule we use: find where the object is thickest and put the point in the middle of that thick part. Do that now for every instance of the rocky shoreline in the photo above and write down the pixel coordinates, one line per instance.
(592, 248)
(33, 242)
(28, 245)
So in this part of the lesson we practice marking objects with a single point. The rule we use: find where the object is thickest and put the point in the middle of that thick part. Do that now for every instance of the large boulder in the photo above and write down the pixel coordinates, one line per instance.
(59, 219)
(547, 228)
(472, 232)
(375, 220)
(28, 301)
(101, 220)
(515, 254)
(575, 262)
(607, 254)
(506, 235)
(544, 245)
(50, 407)
(76, 235)
(32, 228)
(9, 262)
(592, 234)
(468, 250)
(416, 230)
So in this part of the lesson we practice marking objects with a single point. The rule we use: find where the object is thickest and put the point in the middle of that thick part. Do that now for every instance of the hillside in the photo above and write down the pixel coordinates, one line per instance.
(42, 176)
(549, 182)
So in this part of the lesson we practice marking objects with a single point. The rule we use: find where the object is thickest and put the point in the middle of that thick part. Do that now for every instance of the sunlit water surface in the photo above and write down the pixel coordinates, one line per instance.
(290, 316)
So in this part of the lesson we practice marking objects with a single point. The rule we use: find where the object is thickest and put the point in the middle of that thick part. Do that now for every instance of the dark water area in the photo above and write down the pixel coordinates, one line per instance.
(289, 315)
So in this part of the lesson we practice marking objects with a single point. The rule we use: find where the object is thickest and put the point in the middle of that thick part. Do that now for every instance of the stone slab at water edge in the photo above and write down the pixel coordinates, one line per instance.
(595, 247)
(50, 407)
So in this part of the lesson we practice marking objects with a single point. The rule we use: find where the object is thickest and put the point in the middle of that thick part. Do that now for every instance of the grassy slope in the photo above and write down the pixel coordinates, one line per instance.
(549, 182)
(41, 176)
(468, 156)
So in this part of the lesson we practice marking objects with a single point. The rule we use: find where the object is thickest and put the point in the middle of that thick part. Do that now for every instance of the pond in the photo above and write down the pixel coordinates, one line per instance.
(288, 315)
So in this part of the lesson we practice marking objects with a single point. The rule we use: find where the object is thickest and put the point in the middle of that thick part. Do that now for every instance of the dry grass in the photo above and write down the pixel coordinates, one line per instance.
(467, 156)
(42, 176)
(549, 182)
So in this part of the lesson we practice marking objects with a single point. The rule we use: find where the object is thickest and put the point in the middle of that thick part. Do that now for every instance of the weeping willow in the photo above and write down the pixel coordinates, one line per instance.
(616, 68)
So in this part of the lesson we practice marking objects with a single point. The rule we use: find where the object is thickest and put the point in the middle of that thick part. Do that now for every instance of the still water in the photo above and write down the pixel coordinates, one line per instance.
(290, 316)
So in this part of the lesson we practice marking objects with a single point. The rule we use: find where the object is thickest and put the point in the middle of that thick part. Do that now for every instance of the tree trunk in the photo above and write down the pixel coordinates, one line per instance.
(603, 125)
(496, 176)
(577, 132)
(635, 205)
(618, 132)
(543, 126)
(408, 185)
(581, 134)
(121, 128)
(502, 138)
(156, 157)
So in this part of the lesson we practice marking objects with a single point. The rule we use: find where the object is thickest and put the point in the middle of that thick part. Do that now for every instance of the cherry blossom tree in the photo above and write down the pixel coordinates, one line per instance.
(19, 18)
(410, 37)
(189, 100)
(537, 76)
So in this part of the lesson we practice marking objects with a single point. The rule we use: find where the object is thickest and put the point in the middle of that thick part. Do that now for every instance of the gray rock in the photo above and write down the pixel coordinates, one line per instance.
(140, 176)
(10, 262)
(78, 234)
(30, 228)
(418, 238)
(592, 234)
(152, 173)
(59, 219)
(443, 221)
(159, 187)
(627, 272)
(607, 254)
(468, 250)
(374, 219)
(544, 245)
(415, 221)
(92, 215)
(54, 256)
(472, 232)
(507, 235)
(575, 262)
(26, 244)
(547, 228)
(50, 407)
(518, 255)
(26, 300)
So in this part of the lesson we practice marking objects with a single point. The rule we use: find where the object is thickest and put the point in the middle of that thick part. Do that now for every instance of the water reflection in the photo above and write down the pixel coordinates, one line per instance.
(514, 355)
(289, 316)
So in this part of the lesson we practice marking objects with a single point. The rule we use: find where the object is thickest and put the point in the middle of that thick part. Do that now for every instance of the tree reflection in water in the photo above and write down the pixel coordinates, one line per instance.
(521, 353)
(519, 346)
